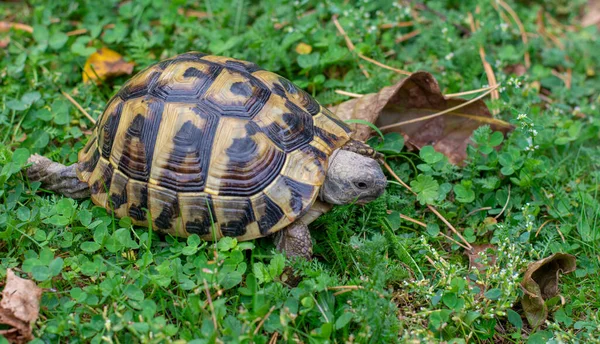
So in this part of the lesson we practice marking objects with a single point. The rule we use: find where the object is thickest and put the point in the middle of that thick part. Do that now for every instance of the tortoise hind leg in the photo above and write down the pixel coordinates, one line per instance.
(57, 177)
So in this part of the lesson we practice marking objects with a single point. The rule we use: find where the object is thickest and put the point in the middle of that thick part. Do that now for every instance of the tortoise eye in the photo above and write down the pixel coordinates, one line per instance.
(360, 185)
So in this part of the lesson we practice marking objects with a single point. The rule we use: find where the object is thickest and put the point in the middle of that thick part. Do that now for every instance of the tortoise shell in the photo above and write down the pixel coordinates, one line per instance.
(210, 145)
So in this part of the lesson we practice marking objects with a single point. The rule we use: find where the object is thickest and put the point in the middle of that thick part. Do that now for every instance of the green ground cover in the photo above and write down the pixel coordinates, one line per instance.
(375, 278)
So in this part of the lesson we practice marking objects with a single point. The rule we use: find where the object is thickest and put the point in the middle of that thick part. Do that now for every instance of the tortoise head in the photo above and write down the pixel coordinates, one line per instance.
(352, 177)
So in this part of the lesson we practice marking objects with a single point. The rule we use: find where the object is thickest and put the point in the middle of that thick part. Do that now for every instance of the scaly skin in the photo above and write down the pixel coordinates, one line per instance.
(57, 177)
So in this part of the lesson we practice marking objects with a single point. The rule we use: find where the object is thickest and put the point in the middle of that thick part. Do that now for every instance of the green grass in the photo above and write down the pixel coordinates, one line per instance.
(108, 281)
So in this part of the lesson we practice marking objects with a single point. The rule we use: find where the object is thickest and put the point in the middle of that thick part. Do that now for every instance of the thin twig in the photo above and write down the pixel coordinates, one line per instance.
(78, 107)
(377, 63)
(489, 71)
(352, 287)
(542, 226)
(424, 118)
(349, 43)
(515, 17)
(273, 339)
(349, 94)
(6, 26)
(437, 213)
(342, 292)
(398, 24)
(210, 304)
(560, 233)
(262, 321)
(454, 241)
(409, 219)
(466, 93)
(477, 210)
(408, 36)
(77, 32)
(505, 204)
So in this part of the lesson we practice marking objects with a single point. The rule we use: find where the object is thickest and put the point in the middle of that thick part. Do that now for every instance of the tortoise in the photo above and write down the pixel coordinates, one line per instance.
(216, 146)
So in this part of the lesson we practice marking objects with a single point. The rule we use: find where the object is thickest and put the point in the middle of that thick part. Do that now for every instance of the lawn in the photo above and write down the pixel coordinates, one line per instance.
(390, 271)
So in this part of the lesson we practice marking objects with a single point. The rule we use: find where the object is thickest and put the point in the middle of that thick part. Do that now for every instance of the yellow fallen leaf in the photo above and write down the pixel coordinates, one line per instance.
(303, 48)
(104, 64)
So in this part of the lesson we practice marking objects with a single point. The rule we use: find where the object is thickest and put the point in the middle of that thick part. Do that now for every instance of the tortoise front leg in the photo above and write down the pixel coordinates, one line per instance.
(57, 177)
(294, 240)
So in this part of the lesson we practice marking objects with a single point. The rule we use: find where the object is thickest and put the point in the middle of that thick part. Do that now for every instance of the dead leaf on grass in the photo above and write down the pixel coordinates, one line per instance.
(591, 14)
(540, 283)
(414, 97)
(105, 64)
(19, 307)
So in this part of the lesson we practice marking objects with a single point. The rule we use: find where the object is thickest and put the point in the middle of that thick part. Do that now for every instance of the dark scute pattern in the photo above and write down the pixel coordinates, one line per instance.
(119, 199)
(164, 89)
(248, 110)
(288, 85)
(248, 67)
(278, 90)
(167, 214)
(90, 144)
(90, 165)
(327, 137)
(252, 128)
(190, 141)
(239, 214)
(109, 130)
(337, 121)
(241, 88)
(202, 224)
(193, 73)
(137, 165)
(241, 153)
(318, 156)
(297, 132)
(300, 191)
(294, 109)
(136, 211)
(102, 185)
(309, 103)
(130, 91)
(272, 215)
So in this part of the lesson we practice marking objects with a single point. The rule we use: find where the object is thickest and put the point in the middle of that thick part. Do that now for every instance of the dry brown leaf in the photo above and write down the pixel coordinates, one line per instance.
(414, 97)
(104, 64)
(19, 307)
(591, 14)
(540, 283)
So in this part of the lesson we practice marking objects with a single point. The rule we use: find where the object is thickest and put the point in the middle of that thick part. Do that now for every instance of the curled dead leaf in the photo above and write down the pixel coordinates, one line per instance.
(540, 283)
(19, 308)
(104, 64)
(415, 97)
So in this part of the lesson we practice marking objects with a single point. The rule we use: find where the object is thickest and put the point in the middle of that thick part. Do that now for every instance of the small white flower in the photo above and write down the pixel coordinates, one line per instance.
(503, 27)
(444, 30)
(521, 116)
(449, 56)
